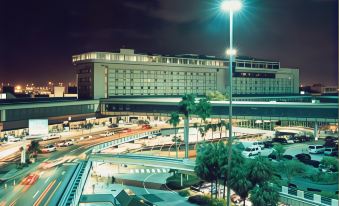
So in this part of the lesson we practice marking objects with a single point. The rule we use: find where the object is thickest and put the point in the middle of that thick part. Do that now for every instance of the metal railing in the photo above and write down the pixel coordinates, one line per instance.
(305, 197)
(122, 140)
(75, 187)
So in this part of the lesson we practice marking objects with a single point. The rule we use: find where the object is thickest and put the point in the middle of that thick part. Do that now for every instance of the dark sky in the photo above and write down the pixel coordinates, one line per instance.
(38, 37)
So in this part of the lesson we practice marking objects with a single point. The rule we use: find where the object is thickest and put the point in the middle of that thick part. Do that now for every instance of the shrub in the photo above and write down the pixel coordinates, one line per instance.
(198, 199)
(184, 193)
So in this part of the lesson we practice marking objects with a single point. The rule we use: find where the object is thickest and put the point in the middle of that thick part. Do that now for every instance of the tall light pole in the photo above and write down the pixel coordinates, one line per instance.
(230, 6)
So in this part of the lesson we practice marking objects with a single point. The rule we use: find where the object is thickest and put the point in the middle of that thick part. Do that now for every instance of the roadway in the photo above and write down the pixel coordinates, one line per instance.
(49, 187)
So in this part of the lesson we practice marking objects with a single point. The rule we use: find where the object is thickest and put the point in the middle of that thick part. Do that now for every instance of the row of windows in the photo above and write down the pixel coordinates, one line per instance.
(172, 60)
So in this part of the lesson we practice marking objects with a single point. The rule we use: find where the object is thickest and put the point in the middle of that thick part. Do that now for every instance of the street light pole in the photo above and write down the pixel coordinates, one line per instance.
(230, 136)
(230, 6)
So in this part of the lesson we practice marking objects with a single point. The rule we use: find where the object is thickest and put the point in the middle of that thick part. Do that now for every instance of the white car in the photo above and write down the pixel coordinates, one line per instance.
(251, 151)
(51, 136)
(13, 139)
(48, 148)
(107, 134)
(316, 149)
(65, 143)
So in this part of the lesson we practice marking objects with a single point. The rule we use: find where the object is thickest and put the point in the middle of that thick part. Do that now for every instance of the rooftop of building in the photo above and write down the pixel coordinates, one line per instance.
(131, 55)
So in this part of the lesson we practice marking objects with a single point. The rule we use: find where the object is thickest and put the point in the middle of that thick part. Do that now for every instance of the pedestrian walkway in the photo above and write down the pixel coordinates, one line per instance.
(141, 171)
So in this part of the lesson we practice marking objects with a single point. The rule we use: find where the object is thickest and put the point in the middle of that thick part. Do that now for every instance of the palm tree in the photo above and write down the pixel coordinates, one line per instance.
(214, 128)
(207, 163)
(239, 183)
(223, 163)
(264, 195)
(174, 121)
(202, 131)
(260, 170)
(220, 125)
(195, 125)
(34, 148)
(187, 107)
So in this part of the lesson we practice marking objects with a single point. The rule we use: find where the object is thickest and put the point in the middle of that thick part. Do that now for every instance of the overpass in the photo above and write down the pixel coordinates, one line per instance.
(256, 110)
(144, 160)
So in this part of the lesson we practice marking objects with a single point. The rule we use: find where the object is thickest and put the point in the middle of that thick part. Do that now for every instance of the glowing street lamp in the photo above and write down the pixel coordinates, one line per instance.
(230, 6)
(231, 52)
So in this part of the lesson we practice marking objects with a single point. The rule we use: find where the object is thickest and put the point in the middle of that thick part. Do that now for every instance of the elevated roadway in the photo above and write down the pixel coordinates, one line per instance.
(293, 111)
(144, 160)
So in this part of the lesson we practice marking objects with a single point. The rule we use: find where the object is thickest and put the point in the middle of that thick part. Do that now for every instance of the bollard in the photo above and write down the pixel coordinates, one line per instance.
(14, 183)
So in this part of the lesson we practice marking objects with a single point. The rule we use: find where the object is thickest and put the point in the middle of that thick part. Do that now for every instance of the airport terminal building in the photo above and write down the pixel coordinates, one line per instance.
(106, 75)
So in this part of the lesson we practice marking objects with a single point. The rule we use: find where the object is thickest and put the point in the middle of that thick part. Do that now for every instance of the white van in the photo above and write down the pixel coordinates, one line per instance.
(13, 139)
(316, 149)
(251, 151)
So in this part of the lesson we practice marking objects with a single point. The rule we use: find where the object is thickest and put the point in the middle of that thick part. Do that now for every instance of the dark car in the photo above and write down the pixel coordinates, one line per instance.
(335, 154)
(330, 143)
(303, 138)
(288, 157)
(279, 140)
(272, 156)
(268, 144)
(331, 138)
(303, 156)
(113, 126)
(313, 163)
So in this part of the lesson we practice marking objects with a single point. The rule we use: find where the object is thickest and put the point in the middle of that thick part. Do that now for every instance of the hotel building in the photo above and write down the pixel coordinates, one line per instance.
(106, 75)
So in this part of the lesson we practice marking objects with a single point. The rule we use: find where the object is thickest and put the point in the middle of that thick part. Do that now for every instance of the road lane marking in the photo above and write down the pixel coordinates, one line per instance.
(43, 194)
(41, 173)
(63, 172)
(145, 181)
(47, 179)
(36, 194)
(49, 199)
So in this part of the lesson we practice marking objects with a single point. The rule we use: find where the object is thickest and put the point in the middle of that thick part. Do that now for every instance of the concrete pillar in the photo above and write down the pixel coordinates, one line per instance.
(284, 190)
(316, 198)
(334, 202)
(300, 193)
(315, 131)
(23, 154)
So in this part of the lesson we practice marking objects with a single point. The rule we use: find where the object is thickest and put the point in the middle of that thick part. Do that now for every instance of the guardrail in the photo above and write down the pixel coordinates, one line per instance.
(122, 140)
(293, 196)
(75, 187)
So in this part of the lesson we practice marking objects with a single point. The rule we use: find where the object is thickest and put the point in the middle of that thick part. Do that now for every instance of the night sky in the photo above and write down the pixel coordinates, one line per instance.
(38, 38)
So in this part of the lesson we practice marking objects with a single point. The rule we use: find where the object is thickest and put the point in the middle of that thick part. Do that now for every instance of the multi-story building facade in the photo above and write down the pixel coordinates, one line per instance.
(105, 75)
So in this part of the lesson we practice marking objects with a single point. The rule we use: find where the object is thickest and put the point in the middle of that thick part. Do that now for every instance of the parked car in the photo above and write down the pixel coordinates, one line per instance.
(335, 154)
(86, 137)
(65, 143)
(106, 134)
(279, 140)
(272, 156)
(146, 126)
(13, 139)
(302, 138)
(48, 148)
(331, 138)
(290, 140)
(51, 136)
(313, 163)
(268, 144)
(288, 157)
(126, 130)
(251, 151)
(113, 126)
(330, 151)
(303, 156)
(316, 149)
